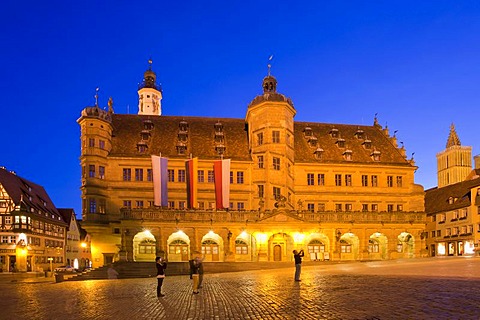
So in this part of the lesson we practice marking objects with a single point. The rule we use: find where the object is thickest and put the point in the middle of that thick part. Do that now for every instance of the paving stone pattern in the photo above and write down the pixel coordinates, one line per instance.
(426, 289)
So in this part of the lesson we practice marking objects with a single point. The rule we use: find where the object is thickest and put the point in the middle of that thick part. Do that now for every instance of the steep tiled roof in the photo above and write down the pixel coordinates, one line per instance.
(164, 136)
(437, 199)
(29, 195)
(66, 214)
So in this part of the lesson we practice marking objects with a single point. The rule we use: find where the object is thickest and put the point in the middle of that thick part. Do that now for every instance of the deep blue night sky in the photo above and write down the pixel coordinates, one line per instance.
(415, 63)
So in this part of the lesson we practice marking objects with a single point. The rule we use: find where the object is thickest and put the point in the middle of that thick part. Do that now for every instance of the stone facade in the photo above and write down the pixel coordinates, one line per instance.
(339, 191)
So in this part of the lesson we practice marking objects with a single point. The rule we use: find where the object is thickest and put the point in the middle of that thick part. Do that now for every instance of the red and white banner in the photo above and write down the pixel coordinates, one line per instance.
(221, 171)
(160, 178)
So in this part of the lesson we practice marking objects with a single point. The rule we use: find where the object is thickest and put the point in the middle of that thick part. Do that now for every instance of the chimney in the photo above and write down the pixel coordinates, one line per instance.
(476, 160)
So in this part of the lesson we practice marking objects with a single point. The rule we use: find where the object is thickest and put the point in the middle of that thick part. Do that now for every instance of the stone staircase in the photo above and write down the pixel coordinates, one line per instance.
(147, 269)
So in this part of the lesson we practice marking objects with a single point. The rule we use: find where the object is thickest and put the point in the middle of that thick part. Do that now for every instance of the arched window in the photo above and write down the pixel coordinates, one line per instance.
(373, 246)
(345, 247)
(147, 246)
(241, 247)
(315, 246)
(176, 246)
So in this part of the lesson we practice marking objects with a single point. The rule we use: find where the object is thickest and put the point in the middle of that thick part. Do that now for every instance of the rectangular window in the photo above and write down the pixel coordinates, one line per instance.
(91, 171)
(181, 205)
(310, 179)
(374, 207)
(211, 176)
(338, 180)
(348, 180)
(149, 175)
(102, 206)
(127, 204)
(276, 163)
(171, 175)
(311, 207)
(399, 207)
(434, 233)
(231, 205)
(276, 192)
(261, 190)
(348, 207)
(399, 181)
(201, 205)
(321, 179)
(321, 207)
(127, 174)
(240, 206)
(259, 139)
(389, 181)
(390, 207)
(364, 207)
(260, 162)
(91, 142)
(439, 233)
(240, 177)
(139, 204)
(276, 136)
(374, 180)
(181, 176)
(171, 204)
(138, 174)
(338, 207)
(101, 172)
(231, 177)
(201, 175)
(92, 205)
(101, 144)
(364, 180)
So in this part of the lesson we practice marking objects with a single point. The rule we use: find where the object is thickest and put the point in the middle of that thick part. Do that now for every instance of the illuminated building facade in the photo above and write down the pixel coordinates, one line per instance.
(77, 247)
(32, 231)
(341, 192)
(453, 223)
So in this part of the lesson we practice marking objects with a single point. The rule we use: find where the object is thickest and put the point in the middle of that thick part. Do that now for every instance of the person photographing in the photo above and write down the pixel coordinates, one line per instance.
(297, 256)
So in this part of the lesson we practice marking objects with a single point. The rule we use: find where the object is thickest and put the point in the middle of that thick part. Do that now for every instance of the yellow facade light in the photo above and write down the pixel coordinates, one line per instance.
(83, 244)
(298, 237)
(261, 237)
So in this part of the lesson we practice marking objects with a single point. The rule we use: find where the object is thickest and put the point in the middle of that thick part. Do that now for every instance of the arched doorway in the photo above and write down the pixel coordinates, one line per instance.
(144, 248)
(405, 245)
(349, 245)
(210, 250)
(178, 246)
(377, 246)
(279, 245)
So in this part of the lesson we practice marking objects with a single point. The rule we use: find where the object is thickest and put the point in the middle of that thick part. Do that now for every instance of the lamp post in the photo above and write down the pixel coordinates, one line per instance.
(50, 259)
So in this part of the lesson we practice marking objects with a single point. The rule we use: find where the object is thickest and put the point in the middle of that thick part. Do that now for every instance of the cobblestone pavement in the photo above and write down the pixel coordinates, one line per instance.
(415, 289)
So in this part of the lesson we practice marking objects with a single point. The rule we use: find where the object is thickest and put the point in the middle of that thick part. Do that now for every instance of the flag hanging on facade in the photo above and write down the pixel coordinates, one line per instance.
(221, 171)
(191, 168)
(160, 178)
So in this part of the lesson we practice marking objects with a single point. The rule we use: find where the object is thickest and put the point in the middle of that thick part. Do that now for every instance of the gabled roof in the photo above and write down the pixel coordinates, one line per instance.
(28, 195)
(438, 199)
(66, 214)
(163, 139)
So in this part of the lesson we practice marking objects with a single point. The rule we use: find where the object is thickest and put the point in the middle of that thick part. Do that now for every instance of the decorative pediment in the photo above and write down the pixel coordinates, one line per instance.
(281, 216)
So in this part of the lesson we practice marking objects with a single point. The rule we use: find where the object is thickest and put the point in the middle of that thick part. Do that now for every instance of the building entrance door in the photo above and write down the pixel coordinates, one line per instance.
(29, 263)
(277, 253)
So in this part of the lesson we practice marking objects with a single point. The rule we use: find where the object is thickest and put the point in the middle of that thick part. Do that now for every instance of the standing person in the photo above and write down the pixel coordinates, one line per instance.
(194, 274)
(111, 272)
(161, 266)
(199, 262)
(298, 263)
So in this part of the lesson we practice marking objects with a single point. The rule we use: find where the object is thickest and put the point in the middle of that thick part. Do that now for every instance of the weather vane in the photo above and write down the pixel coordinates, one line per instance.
(150, 61)
(96, 96)
(269, 65)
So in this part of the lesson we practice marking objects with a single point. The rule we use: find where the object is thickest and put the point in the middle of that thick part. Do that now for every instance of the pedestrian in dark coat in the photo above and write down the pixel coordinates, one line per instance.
(161, 266)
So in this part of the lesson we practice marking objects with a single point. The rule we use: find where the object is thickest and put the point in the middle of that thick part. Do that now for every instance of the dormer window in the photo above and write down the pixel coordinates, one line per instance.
(148, 124)
(218, 127)
(307, 132)
(183, 126)
(219, 137)
(181, 148)
(451, 200)
(347, 155)
(375, 155)
(142, 147)
(145, 134)
(182, 136)
(220, 149)
(340, 143)
(334, 133)
(359, 134)
(367, 144)
(312, 141)
(318, 153)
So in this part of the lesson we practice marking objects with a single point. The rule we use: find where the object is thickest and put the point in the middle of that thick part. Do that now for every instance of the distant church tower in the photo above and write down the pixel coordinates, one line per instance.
(149, 94)
(455, 162)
